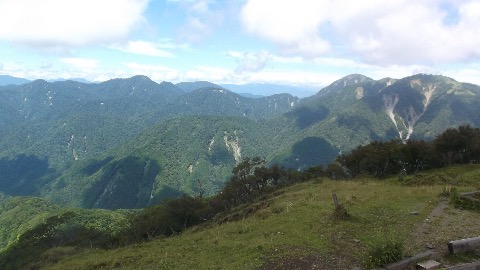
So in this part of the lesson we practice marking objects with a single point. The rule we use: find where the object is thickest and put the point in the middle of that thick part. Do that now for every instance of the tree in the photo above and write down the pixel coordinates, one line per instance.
(461, 145)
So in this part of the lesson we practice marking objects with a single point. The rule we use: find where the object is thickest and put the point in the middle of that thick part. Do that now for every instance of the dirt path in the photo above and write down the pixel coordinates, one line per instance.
(445, 223)
(421, 238)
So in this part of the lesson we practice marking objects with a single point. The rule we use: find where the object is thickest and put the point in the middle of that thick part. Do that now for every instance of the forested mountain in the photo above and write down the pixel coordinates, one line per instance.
(192, 86)
(356, 109)
(128, 143)
(219, 101)
(6, 80)
(267, 89)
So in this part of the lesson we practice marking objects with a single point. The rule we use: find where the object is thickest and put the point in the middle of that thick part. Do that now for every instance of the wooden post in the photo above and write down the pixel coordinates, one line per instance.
(335, 200)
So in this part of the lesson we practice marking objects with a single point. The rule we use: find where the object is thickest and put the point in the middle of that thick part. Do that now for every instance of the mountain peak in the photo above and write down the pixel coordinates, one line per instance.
(213, 90)
(192, 86)
(140, 77)
(352, 79)
(39, 82)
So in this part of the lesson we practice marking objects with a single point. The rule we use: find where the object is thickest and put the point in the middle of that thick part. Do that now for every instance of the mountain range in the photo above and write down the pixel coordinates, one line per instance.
(130, 143)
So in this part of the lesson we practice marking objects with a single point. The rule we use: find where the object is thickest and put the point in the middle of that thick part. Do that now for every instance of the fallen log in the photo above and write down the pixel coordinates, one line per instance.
(464, 245)
(466, 266)
(411, 261)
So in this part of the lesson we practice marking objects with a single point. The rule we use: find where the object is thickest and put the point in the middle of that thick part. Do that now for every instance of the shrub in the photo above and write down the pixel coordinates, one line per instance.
(383, 252)
(340, 213)
(464, 202)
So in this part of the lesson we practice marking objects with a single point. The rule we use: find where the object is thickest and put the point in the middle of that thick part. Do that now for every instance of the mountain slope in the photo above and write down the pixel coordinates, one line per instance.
(53, 125)
(7, 80)
(266, 89)
(356, 110)
(190, 154)
(192, 86)
(219, 101)
(127, 143)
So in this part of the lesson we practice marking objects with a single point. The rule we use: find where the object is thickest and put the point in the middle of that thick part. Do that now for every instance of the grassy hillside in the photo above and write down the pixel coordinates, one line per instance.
(29, 225)
(295, 228)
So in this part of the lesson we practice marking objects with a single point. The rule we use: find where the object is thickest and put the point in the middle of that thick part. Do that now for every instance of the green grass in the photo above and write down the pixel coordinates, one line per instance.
(295, 224)
(463, 176)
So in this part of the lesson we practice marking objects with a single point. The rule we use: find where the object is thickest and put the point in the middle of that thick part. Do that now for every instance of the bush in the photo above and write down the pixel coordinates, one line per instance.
(464, 202)
(169, 218)
(383, 252)
(340, 213)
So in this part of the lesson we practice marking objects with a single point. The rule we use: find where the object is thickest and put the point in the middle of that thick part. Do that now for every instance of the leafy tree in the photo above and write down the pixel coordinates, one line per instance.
(418, 156)
(169, 218)
(450, 144)
(461, 145)
(30, 244)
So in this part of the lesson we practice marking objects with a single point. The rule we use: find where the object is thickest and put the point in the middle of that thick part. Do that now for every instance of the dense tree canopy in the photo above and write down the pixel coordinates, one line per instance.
(454, 146)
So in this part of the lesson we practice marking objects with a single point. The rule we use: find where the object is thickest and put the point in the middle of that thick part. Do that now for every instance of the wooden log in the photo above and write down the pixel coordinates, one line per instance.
(464, 245)
(471, 193)
(410, 262)
(466, 266)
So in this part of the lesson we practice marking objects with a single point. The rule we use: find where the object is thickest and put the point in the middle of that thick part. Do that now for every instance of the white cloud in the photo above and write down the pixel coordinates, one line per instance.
(209, 73)
(469, 73)
(144, 48)
(154, 72)
(81, 63)
(249, 61)
(60, 23)
(293, 25)
(201, 20)
(401, 32)
(12, 66)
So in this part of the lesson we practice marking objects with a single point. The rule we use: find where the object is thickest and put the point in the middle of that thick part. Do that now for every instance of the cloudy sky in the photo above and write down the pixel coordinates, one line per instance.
(300, 42)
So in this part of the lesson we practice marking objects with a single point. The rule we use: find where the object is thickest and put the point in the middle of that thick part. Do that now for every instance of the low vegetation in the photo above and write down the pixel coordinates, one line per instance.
(288, 227)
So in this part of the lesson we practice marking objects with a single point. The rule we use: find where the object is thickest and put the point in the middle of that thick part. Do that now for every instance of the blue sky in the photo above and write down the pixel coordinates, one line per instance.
(301, 42)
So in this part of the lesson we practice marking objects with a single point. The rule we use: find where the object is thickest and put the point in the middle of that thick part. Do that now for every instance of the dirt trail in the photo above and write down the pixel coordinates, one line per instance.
(422, 237)
(444, 224)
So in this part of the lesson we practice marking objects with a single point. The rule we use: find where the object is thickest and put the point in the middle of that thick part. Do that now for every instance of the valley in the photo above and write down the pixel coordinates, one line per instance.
(67, 141)
(107, 175)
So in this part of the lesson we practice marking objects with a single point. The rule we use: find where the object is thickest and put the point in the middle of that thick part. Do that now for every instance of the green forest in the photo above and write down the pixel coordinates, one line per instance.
(252, 181)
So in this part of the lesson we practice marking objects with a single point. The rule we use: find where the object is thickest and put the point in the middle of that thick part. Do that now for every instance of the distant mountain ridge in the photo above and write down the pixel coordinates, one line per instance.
(267, 89)
(127, 143)
(7, 80)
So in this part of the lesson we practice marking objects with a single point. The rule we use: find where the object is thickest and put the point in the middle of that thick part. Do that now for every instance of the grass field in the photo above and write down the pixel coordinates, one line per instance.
(295, 229)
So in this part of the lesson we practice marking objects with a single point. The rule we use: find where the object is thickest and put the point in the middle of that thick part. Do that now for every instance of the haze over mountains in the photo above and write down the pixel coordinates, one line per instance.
(256, 90)
(129, 143)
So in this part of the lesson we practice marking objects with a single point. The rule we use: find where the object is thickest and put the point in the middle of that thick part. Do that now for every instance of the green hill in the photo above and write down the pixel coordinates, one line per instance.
(181, 155)
(296, 228)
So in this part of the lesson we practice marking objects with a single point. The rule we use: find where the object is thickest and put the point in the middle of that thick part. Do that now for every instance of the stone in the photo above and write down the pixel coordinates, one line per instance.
(411, 261)
(428, 265)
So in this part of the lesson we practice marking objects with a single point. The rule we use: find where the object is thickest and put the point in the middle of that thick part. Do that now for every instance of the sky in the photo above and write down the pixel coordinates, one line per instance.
(291, 42)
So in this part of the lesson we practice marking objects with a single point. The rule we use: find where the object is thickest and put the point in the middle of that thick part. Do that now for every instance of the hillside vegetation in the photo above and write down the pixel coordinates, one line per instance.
(374, 210)
(295, 227)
